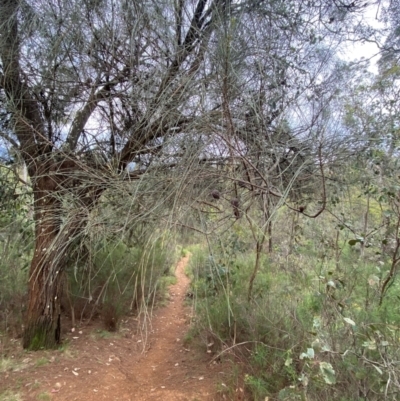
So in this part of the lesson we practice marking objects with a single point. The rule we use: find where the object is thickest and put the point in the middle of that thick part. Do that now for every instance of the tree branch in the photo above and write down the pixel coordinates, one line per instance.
(197, 28)
(28, 124)
(7, 137)
(95, 98)
(83, 116)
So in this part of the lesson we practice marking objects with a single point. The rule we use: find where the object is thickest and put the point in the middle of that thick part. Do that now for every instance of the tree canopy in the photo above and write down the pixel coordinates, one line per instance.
(192, 94)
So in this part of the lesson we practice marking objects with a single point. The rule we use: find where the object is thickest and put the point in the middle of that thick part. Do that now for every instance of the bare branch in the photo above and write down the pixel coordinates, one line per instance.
(9, 139)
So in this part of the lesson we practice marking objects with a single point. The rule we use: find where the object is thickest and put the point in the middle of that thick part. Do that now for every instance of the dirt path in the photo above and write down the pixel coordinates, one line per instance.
(167, 371)
(115, 368)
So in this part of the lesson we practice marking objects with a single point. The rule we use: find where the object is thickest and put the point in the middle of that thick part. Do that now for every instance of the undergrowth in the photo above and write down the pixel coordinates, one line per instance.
(114, 279)
(313, 329)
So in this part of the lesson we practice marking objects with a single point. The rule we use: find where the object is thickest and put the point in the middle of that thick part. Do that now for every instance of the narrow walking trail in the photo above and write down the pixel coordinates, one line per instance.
(116, 368)
(168, 370)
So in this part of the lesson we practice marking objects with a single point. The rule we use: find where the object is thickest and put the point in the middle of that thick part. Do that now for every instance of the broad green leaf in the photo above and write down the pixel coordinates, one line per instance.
(327, 372)
(309, 355)
(326, 348)
(331, 283)
(303, 379)
(316, 322)
(288, 362)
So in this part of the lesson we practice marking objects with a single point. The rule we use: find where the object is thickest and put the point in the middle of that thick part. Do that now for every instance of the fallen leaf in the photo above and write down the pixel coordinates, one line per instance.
(349, 321)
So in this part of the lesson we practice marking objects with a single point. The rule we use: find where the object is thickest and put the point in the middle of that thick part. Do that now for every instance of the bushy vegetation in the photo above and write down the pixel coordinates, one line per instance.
(113, 280)
(319, 325)
(16, 240)
(106, 276)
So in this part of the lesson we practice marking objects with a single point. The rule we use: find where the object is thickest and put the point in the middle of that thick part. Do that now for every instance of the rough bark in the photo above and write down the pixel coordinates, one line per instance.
(53, 241)
(42, 321)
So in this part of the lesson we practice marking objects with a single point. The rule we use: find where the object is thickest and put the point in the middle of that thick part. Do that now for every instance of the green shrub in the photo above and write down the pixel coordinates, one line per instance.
(314, 328)
(15, 251)
(116, 279)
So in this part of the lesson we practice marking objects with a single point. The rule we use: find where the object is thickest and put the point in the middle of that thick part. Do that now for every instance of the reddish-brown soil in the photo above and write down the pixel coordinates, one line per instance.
(140, 365)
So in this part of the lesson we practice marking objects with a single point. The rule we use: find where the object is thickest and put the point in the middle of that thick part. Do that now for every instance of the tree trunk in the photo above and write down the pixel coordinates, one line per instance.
(42, 328)
(43, 323)
(53, 239)
(259, 247)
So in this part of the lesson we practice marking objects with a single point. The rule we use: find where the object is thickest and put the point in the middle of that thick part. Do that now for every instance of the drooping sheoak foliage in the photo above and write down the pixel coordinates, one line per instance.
(90, 87)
